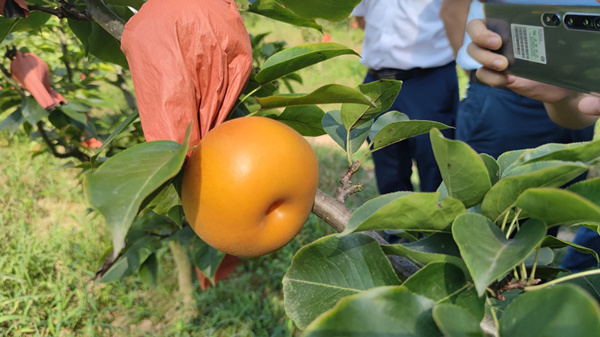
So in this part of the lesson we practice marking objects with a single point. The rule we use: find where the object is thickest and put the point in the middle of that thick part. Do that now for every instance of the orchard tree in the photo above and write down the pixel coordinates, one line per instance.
(478, 260)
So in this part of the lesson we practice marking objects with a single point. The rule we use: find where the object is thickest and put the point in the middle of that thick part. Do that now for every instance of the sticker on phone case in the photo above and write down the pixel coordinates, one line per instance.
(528, 43)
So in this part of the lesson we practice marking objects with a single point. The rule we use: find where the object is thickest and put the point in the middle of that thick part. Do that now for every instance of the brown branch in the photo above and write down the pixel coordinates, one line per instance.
(108, 20)
(75, 153)
(5, 71)
(512, 285)
(331, 210)
(347, 188)
(63, 47)
(64, 11)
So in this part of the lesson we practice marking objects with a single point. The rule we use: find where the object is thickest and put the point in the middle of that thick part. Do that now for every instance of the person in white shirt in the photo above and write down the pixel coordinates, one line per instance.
(405, 40)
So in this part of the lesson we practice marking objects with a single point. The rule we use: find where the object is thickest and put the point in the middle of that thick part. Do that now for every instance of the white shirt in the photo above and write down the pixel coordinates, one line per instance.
(403, 34)
(463, 59)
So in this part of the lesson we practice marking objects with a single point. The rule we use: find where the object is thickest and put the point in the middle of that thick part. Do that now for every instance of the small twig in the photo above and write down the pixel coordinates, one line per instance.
(75, 153)
(347, 188)
(512, 285)
(65, 10)
(5, 71)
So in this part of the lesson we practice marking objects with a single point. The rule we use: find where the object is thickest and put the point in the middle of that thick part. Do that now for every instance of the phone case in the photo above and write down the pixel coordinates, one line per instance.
(556, 42)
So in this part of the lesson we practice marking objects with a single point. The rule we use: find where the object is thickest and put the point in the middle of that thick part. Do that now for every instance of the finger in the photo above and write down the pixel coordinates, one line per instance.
(491, 77)
(482, 36)
(487, 58)
(590, 105)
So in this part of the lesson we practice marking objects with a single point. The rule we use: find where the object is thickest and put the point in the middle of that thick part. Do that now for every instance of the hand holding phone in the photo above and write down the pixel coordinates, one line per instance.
(563, 105)
(551, 41)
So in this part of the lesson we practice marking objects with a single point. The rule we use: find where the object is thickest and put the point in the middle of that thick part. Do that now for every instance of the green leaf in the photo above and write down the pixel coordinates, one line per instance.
(383, 93)
(563, 310)
(587, 152)
(438, 247)
(83, 30)
(206, 258)
(262, 90)
(105, 47)
(275, 11)
(455, 321)
(6, 318)
(293, 59)
(304, 119)
(332, 10)
(464, 172)
(557, 206)
(379, 312)
(32, 110)
(588, 189)
(589, 283)
(77, 111)
(330, 268)
(129, 262)
(446, 283)
(117, 131)
(504, 194)
(332, 124)
(506, 159)
(545, 257)
(492, 167)
(414, 211)
(118, 188)
(398, 131)
(165, 200)
(331, 93)
(385, 119)
(556, 243)
(13, 121)
(487, 253)
(150, 223)
(35, 20)
(149, 270)
(99, 42)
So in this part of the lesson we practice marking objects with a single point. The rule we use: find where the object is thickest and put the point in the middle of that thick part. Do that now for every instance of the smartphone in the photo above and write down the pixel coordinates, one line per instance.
(551, 41)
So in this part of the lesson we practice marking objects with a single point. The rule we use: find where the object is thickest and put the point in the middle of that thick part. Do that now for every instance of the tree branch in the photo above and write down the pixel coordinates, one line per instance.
(75, 153)
(65, 10)
(347, 188)
(108, 20)
(331, 210)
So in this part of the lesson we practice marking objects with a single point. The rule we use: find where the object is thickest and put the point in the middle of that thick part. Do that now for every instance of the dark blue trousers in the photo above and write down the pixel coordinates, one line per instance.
(576, 261)
(432, 94)
(494, 121)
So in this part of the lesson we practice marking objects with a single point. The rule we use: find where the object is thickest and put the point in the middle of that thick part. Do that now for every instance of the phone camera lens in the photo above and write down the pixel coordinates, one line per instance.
(597, 22)
(551, 19)
(570, 22)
